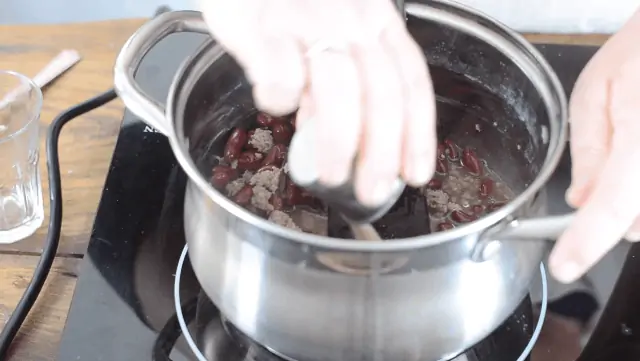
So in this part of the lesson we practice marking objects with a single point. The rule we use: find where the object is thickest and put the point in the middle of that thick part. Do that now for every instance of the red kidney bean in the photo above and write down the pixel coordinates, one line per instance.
(250, 160)
(434, 184)
(293, 119)
(477, 209)
(440, 152)
(234, 145)
(462, 217)
(495, 206)
(276, 156)
(250, 146)
(264, 119)
(283, 182)
(292, 194)
(256, 211)
(471, 162)
(308, 199)
(243, 197)
(277, 202)
(486, 187)
(442, 167)
(282, 132)
(451, 150)
(222, 175)
(444, 226)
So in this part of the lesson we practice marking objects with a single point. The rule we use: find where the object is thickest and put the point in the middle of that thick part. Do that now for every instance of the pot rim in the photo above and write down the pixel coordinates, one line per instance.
(548, 85)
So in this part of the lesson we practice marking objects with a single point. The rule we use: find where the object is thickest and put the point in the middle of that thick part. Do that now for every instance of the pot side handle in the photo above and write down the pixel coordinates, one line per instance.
(138, 45)
(520, 230)
(542, 228)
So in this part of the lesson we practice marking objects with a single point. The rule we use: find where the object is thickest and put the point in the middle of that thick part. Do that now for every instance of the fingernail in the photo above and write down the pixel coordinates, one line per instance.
(418, 173)
(379, 194)
(632, 236)
(275, 98)
(569, 196)
(301, 159)
(566, 271)
(573, 196)
(337, 176)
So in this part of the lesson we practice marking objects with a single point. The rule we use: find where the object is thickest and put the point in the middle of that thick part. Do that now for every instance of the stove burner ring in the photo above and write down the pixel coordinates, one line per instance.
(200, 356)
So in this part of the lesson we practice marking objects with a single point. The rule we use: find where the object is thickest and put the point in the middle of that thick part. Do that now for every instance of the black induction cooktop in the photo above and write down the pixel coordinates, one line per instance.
(123, 306)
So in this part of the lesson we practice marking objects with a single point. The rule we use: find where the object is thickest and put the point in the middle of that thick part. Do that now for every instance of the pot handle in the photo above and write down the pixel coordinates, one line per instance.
(518, 230)
(138, 45)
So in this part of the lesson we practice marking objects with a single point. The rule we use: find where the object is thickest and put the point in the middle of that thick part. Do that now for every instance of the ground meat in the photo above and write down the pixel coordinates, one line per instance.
(283, 219)
(262, 140)
(260, 198)
(267, 178)
(310, 222)
(437, 201)
(246, 176)
(461, 186)
(436, 197)
(234, 187)
(453, 206)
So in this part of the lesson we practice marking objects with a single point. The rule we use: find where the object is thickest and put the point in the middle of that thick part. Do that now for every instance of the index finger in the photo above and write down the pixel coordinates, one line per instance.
(606, 215)
(605, 84)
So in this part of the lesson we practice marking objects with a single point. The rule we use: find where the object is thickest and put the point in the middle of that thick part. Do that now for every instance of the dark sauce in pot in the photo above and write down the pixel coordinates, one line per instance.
(462, 190)
(252, 172)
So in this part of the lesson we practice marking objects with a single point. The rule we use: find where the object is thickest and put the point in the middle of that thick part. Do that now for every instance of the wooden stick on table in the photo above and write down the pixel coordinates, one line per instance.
(56, 67)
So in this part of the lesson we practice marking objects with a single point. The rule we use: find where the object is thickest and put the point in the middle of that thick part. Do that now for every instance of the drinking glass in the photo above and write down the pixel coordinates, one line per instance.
(21, 208)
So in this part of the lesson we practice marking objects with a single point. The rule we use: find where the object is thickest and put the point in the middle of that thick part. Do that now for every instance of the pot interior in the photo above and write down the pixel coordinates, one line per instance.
(484, 101)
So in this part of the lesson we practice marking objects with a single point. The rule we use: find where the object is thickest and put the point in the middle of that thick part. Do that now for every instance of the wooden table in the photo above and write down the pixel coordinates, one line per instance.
(26, 49)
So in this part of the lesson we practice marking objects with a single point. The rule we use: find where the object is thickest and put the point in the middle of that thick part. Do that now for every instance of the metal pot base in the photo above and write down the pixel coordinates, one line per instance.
(218, 339)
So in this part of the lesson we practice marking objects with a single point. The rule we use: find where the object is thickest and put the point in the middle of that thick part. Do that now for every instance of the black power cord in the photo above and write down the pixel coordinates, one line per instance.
(41, 272)
(171, 331)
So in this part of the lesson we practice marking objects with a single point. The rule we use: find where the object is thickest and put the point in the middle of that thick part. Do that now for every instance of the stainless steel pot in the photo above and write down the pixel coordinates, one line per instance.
(308, 297)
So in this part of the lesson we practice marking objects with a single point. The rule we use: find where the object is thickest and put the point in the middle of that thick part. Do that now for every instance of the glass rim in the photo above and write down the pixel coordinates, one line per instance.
(38, 106)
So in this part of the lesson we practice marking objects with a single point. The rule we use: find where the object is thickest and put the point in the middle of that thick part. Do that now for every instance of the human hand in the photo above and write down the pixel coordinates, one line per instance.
(605, 151)
(352, 67)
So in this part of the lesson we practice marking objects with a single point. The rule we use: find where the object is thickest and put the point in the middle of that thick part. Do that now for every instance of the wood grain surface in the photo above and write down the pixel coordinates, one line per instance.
(85, 154)
(85, 145)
